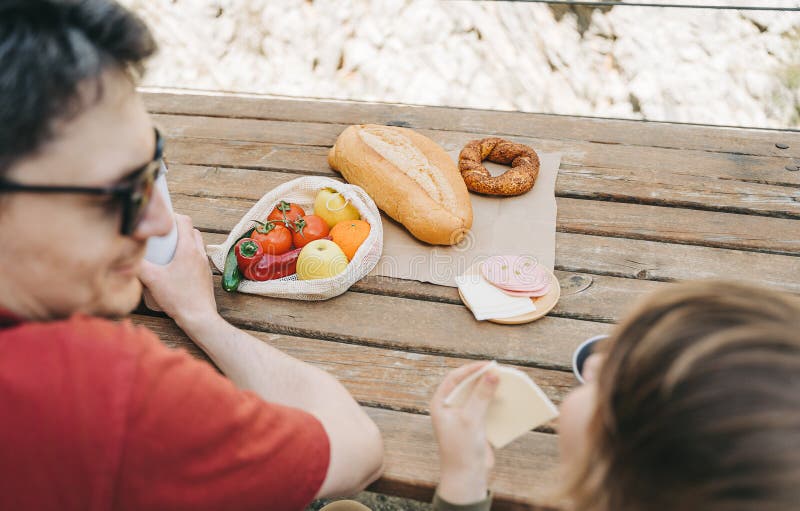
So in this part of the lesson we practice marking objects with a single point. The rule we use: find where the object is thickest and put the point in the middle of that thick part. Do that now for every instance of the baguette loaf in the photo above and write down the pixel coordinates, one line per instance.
(410, 178)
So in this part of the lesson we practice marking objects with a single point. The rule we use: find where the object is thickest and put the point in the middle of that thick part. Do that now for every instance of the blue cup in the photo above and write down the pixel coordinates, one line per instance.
(583, 352)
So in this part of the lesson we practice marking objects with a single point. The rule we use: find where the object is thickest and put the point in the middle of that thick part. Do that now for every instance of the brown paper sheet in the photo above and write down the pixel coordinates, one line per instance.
(524, 225)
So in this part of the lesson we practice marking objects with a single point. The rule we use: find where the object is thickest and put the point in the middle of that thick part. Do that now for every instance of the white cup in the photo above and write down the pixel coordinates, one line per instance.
(161, 249)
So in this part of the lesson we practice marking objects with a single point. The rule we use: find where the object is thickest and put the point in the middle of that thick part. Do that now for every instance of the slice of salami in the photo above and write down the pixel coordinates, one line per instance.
(533, 286)
(525, 290)
(530, 294)
(514, 272)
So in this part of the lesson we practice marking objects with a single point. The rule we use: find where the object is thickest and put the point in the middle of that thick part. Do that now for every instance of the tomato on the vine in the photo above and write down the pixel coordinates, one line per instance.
(286, 212)
(308, 229)
(274, 237)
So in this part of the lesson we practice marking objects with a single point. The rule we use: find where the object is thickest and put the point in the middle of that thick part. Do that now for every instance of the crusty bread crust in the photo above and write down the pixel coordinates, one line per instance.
(440, 215)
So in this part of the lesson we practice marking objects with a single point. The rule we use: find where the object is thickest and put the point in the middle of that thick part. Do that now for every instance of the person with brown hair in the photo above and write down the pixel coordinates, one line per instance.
(693, 403)
(696, 406)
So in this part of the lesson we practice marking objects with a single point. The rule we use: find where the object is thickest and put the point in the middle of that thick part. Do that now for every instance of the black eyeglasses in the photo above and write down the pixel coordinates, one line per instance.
(134, 193)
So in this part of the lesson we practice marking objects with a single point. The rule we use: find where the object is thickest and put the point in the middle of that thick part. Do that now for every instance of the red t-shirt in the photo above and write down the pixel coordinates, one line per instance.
(96, 415)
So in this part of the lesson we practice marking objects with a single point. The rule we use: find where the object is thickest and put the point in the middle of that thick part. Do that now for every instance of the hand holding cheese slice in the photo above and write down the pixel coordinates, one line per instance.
(518, 406)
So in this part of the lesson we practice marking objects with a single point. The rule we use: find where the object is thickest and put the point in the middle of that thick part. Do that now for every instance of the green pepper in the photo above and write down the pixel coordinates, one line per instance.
(231, 275)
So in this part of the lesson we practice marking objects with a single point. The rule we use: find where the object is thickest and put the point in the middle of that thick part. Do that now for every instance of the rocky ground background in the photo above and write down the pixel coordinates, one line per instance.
(703, 66)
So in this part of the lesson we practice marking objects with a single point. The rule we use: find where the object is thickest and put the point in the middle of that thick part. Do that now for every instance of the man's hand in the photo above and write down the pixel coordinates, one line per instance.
(183, 288)
(465, 456)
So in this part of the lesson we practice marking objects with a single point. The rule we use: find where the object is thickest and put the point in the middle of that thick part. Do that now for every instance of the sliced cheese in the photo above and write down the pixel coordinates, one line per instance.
(518, 406)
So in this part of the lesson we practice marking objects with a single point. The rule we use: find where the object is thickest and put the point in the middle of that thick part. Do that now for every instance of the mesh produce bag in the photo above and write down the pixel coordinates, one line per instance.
(302, 191)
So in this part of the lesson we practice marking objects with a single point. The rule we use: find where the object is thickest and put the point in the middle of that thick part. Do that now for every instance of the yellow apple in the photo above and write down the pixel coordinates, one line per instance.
(333, 208)
(320, 259)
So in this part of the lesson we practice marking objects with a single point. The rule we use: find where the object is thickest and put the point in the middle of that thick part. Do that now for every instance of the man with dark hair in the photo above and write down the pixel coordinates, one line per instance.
(100, 415)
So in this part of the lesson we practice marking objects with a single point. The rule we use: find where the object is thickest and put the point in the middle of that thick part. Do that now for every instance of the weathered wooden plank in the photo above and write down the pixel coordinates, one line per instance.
(676, 225)
(684, 190)
(662, 261)
(392, 379)
(673, 225)
(609, 131)
(234, 153)
(248, 130)
(383, 321)
(524, 477)
(217, 182)
(623, 165)
(605, 299)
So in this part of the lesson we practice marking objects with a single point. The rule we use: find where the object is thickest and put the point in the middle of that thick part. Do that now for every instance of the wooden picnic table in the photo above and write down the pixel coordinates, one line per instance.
(640, 204)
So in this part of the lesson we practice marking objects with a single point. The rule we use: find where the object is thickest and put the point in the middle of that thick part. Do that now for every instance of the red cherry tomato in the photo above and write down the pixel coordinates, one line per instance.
(275, 238)
(286, 212)
(308, 229)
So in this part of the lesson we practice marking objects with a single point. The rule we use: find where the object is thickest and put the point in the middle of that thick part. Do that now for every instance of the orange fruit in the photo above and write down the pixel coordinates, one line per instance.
(349, 235)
